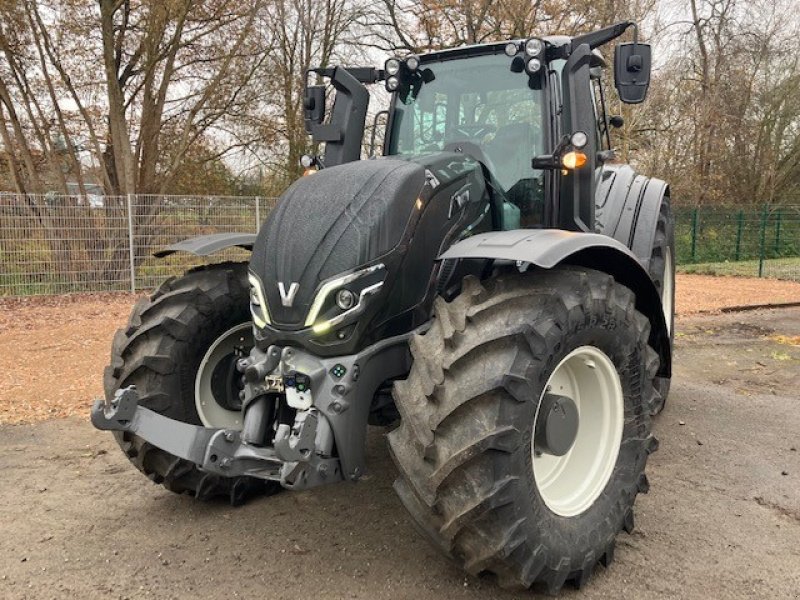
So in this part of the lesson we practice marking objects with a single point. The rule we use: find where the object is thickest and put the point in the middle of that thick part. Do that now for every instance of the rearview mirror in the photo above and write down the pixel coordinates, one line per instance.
(314, 105)
(632, 63)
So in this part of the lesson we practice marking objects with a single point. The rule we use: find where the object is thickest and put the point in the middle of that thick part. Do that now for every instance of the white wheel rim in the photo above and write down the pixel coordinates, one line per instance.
(570, 484)
(208, 409)
(667, 287)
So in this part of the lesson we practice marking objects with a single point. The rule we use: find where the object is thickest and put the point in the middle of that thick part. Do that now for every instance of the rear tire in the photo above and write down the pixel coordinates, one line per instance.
(160, 352)
(662, 272)
(468, 408)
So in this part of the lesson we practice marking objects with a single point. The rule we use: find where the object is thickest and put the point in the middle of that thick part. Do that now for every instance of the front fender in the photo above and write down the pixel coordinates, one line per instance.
(204, 245)
(548, 248)
(544, 248)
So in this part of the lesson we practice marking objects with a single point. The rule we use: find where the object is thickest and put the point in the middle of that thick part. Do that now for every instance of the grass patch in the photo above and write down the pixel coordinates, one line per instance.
(774, 268)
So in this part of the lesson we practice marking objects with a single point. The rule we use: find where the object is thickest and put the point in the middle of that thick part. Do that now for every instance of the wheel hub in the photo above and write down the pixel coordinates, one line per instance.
(226, 383)
(217, 380)
(557, 425)
(577, 431)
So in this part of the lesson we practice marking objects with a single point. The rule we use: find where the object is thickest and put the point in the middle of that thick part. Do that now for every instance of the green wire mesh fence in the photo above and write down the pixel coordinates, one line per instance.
(757, 241)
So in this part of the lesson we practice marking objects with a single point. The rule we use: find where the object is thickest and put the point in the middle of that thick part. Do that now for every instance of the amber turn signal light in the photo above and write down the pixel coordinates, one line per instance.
(573, 160)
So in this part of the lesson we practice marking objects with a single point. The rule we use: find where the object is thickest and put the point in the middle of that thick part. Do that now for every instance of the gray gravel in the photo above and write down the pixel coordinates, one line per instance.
(722, 519)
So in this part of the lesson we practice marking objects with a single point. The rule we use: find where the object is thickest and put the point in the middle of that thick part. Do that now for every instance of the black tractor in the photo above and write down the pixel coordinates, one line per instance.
(495, 288)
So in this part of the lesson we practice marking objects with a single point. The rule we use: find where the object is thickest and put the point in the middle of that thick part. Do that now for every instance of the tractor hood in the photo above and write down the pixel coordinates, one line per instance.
(329, 223)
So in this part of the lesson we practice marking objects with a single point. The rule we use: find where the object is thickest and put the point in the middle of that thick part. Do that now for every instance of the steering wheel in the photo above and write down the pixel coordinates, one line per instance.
(470, 149)
(475, 131)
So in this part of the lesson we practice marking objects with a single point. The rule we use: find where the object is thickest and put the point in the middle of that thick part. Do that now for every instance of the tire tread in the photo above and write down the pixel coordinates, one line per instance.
(150, 352)
(453, 428)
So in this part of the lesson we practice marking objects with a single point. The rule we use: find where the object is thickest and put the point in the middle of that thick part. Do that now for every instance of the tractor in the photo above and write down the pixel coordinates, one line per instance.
(495, 289)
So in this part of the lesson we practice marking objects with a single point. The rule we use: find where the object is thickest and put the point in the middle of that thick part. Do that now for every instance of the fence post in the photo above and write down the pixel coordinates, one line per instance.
(694, 234)
(778, 234)
(258, 212)
(130, 244)
(763, 241)
(739, 228)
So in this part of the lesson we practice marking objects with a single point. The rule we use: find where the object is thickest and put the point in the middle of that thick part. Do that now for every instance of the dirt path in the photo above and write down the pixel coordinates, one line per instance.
(721, 520)
(53, 349)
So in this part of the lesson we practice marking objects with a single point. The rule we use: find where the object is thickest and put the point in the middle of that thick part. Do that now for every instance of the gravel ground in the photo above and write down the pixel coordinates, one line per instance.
(53, 349)
(705, 293)
(722, 519)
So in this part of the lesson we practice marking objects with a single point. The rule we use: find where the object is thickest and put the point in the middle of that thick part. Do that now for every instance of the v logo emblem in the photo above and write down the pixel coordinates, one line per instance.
(287, 298)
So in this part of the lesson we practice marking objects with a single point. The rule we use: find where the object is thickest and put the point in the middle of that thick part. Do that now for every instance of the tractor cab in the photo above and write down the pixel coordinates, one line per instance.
(480, 107)
(530, 111)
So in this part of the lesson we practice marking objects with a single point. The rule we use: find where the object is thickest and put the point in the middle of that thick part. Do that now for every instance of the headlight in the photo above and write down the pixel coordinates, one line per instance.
(511, 49)
(392, 83)
(534, 47)
(343, 298)
(533, 65)
(258, 304)
(392, 66)
(412, 62)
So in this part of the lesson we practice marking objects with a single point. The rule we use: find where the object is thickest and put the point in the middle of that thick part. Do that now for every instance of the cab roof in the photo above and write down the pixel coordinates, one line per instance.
(555, 41)
(558, 46)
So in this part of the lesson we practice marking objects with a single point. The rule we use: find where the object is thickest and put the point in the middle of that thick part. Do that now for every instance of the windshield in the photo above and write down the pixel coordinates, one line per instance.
(481, 107)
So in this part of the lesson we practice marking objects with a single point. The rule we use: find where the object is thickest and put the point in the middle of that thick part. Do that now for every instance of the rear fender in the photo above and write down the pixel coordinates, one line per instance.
(627, 207)
(547, 248)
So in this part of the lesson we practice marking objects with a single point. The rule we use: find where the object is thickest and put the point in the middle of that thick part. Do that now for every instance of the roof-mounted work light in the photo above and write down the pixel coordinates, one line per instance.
(533, 65)
(399, 70)
(534, 55)
(534, 47)
(392, 70)
(392, 66)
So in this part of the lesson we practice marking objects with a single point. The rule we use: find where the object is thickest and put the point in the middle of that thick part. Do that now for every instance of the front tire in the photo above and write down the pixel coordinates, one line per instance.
(165, 351)
(468, 475)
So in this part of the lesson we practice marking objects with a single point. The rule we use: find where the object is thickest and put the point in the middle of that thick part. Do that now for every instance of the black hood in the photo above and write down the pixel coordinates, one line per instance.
(331, 222)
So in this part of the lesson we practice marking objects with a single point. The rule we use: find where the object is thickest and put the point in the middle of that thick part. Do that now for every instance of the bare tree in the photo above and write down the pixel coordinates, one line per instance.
(134, 95)
(303, 34)
(724, 111)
